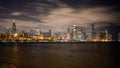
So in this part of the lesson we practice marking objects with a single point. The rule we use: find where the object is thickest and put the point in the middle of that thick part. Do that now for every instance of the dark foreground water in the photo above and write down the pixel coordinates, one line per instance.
(60, 55)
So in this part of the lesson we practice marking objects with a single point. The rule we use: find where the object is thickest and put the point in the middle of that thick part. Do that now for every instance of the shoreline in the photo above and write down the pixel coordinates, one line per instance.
(58, 41)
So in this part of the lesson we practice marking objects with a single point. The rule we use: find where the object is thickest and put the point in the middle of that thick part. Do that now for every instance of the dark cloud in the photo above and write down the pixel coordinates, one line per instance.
(31, 8)
(28, 8)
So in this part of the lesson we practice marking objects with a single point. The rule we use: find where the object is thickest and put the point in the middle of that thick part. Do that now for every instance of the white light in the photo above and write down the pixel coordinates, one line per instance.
(15, 35)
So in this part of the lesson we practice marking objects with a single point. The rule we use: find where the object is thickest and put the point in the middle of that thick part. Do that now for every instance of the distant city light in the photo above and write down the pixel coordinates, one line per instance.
(73, 34)
(15, 35)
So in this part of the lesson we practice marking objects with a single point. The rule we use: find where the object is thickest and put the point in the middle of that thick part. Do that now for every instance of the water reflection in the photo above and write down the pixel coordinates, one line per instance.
(15, 61)
(12, 66)
(59, 55)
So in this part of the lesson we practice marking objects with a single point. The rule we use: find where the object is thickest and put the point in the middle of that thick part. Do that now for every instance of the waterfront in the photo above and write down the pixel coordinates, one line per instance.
(59, 55)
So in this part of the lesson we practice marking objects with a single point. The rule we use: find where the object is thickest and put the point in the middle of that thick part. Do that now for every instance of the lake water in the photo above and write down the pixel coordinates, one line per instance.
(60, 55)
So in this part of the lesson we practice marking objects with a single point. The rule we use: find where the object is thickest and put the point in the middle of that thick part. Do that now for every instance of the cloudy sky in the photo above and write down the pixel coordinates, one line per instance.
(60, 14)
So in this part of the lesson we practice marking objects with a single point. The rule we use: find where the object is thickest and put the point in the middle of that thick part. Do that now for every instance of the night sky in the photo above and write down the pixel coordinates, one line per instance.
(58, 15)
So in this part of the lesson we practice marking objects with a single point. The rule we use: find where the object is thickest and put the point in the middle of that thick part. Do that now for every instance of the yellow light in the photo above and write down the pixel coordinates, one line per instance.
(95, 40)
(15, 35)
(106, 40)
(103, 40)
(42, 37)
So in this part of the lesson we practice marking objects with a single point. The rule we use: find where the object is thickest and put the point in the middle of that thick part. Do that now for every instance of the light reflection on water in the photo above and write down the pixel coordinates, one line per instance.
(14, 56)
(59, 55)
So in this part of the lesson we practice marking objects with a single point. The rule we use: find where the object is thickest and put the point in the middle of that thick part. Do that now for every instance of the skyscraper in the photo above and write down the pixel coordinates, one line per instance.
(106, 35)
(50, 33)
(7, 30)
(70, 31)
(14, 30)
(81, 34)
(75, 36)
(93, 29)
(93, 32)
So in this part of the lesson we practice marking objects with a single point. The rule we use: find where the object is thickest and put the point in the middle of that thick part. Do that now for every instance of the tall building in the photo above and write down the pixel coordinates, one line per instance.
(37, 32)
(107, 35)
(70, 31)
(50, 33)
(81, 34)
(93, 32)
(14, 30)
(7, 30)
(68, 38)
(75, 36)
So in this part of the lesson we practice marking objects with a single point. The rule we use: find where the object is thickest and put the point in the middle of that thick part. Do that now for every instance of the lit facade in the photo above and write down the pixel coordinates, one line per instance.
(75, 35)
(14, 30)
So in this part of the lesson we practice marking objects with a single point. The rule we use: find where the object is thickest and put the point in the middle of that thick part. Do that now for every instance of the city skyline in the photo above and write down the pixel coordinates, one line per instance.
(74, 33)
(58, 15)
(93, 31)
